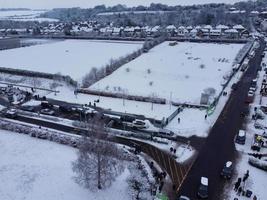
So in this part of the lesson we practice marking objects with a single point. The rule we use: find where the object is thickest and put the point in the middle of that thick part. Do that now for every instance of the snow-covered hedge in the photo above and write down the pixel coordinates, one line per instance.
(28, 73)
(41, 133)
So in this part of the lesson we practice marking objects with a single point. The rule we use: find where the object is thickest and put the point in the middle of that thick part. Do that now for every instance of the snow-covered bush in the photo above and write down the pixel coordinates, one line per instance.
(139, 186)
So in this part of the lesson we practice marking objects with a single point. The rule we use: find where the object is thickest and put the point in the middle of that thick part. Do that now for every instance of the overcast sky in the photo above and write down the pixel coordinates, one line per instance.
(90, 3)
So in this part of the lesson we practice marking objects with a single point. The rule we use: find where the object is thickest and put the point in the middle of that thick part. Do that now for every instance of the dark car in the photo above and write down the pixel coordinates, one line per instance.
(227, 170)
(203, 188)
(241, 137)
(234, 86)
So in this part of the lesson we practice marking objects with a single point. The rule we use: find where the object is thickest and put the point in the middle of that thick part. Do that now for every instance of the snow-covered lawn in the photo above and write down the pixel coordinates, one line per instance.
(69, 57)
(183, 71)
(32, 169)
(192, 122)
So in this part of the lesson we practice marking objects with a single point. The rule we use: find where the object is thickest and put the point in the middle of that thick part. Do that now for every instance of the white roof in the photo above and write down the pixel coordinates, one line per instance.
(193, 31)
(241, 133)
(238, 27)
(207, 27)
(204, 181)
(254, 12)
(220, 26)
(189, 27)
(231, 31)
(215, 31)
(170, 27)
(198, 27)
(229, 164)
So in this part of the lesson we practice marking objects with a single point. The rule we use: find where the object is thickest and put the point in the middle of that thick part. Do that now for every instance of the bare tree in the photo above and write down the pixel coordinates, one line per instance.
(99, 161)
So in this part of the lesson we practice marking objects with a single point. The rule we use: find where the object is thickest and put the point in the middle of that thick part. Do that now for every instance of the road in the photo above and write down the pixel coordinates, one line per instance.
(219, 146)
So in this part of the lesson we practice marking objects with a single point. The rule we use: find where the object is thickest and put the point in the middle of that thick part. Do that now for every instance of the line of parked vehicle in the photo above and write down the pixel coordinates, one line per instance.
(203, 189)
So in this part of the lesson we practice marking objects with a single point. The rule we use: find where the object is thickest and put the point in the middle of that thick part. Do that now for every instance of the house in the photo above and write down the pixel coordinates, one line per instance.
(203, 32)
(264, 25)
(208, 27)
(245, 34)
(155, 31)
(182, 31)
(189, 28)
(193, 33)
(232, 33)
(171, 30)
(117, 31)
(129, 31)
(239, 28)
(222, 27)
(215, 33)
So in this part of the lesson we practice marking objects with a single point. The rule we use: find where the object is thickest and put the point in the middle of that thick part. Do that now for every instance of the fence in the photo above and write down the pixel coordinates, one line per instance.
(123, 96)
(20, 72)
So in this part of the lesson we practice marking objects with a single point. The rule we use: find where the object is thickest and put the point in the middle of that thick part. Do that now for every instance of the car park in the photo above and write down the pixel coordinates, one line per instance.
(203, 192)
(227, 170)
(241, 137)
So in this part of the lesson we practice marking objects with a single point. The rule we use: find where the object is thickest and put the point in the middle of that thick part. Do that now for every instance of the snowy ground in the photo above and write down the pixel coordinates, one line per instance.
(69, 57)
(24, 15)
(33, 169)
(158, 112)
(180, 72)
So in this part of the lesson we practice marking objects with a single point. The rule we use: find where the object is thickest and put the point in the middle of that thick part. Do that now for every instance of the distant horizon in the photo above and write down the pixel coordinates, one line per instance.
(51, 4)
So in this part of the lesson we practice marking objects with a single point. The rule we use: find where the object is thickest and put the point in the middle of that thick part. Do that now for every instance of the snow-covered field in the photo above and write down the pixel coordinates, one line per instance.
(24, 15)
(180, 72)
(33, 169)
(69, 57)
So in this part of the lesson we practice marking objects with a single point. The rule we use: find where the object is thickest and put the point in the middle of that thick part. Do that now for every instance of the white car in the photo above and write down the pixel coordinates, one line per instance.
(47, 111)
(140, 124)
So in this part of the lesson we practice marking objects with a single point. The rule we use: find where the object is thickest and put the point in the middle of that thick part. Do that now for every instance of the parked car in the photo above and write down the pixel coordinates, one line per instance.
(257, 142)
(47, 111)
(163, 131)
(250, 96)
(11, 113)
(241, 137)
(234, 86)
(46, 104)
(140, 124)
(227, 170)
(203, 188)
(183, 198)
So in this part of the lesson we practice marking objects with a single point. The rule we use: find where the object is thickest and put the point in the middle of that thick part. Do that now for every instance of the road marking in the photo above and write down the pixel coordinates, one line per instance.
(185, 176)
(172, 174)
(179, 182)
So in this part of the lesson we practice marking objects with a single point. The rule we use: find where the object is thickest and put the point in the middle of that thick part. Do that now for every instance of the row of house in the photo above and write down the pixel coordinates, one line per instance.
(92, 27)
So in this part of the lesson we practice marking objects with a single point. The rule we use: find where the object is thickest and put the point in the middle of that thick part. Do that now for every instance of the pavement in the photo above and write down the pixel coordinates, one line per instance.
(219, 146)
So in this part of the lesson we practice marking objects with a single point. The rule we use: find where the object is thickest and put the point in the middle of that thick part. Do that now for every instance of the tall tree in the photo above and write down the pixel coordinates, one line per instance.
(99, 161)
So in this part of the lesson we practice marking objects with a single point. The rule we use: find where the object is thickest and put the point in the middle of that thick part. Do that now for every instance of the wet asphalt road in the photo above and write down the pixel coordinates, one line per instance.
(219, 146)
